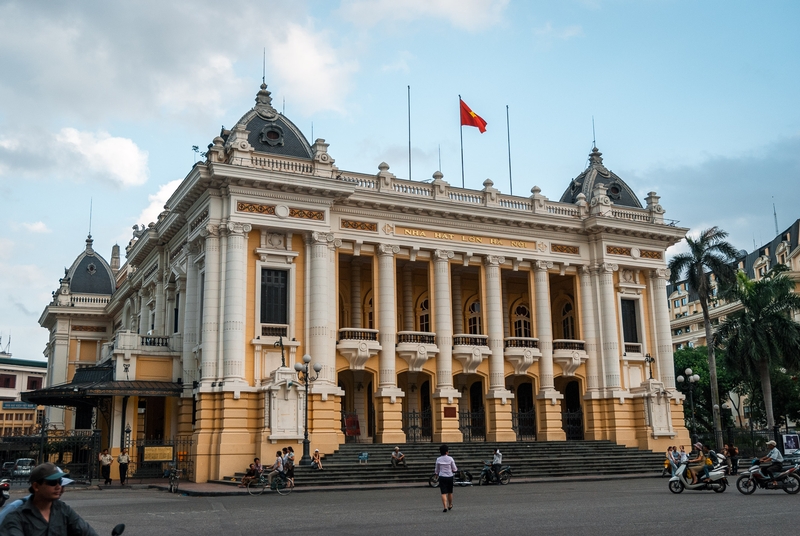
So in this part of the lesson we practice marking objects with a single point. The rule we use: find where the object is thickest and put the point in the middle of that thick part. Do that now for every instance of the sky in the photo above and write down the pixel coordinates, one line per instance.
(101, 104)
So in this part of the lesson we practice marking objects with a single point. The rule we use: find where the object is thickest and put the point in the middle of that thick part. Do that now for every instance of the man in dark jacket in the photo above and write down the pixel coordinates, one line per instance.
(44, 513)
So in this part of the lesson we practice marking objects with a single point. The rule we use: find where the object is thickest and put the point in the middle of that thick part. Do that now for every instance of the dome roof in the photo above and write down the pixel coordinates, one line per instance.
(270, 131)
(90, 273)
(596, 173)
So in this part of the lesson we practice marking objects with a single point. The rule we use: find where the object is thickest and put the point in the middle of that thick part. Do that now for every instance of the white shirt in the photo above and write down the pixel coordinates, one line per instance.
(775, 455)
(497, 459)
(445, 466)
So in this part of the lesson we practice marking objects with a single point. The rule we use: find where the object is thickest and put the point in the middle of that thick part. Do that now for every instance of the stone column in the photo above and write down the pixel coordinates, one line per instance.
(158, 309)
(408, 299)
(388, 413)
(548, 408)
(664, 355)
(497, 407)
(458, 305)
(445, 426)
(610, 329)
(320, 295)
(235, 292)
(210, 303)
(190, 316)
(355, 294)
(589, 322)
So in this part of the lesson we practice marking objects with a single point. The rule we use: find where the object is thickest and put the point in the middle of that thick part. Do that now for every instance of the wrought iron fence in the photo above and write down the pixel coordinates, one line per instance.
(524, 424)
(74, 451)
(572, 423)
(472, 425)
(418, 426)
(151, 458)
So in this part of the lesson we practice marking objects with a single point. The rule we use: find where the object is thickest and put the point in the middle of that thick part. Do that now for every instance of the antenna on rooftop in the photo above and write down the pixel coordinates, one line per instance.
(264, 68)
(90, 216)
(594, 138)
(775, 215)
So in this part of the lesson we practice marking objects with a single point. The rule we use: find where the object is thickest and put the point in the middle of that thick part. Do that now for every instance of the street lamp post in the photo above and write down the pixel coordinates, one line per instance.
(650, 360)
(303, 374)
(692, 379)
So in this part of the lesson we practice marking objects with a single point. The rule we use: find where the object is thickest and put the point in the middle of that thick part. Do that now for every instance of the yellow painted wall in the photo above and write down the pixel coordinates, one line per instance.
(154, 369)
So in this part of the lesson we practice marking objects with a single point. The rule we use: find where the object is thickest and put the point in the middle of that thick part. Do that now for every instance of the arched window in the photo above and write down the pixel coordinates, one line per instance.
(521, 316)
(423, 315)
(474, 324)
(567, 321)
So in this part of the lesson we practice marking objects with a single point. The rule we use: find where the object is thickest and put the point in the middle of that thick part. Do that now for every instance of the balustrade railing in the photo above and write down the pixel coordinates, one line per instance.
(358, 334)
(149, 340)
(568, 344)
(274, 330)
(78, 300)
(633, 348)
(521, 342)
(470, 340)
(416, 337)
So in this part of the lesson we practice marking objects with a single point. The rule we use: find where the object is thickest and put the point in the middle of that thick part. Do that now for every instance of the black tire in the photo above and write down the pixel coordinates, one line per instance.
(675, 486)
(505, 478)
(792, 484)
(719, 486)
(433, 481)
(467, 476)
(284, 487)
(256, 487)
(746, 485)
(173, 485)
(482, 480)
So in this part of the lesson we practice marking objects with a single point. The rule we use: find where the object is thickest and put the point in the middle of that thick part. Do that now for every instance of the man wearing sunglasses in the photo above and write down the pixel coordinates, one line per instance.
(44, 513)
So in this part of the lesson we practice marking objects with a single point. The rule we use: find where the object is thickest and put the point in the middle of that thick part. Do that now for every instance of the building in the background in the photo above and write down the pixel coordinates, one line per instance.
(434, 313)
(18, 375)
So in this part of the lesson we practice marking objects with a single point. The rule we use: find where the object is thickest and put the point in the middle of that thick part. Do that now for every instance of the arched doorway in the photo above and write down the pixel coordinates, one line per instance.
(472, 421)
(358, 412)
(571, 410)
(417, 416)
(524, 418)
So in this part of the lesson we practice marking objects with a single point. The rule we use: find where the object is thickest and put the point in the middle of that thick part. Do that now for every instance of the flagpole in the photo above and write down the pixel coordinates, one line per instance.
(409, 132)
(461, 134)
(508, 132)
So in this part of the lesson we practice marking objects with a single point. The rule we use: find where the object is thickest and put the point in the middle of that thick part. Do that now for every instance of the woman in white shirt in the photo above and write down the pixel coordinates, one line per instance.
(445, 469)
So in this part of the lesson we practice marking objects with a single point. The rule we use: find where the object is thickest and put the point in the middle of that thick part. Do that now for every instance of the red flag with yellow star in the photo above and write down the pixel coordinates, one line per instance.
(470, 118)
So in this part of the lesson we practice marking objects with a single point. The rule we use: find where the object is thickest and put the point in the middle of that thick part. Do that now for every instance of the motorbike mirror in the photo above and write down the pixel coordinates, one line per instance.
(119, 529)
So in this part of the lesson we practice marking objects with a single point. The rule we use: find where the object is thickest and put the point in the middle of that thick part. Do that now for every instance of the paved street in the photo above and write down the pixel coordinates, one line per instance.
(617, 507)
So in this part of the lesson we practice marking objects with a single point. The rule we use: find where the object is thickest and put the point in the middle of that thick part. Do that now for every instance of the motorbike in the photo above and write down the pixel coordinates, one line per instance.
(5, 486)
(462, 478)
(717, 482)
(487, 476)
(788, 480)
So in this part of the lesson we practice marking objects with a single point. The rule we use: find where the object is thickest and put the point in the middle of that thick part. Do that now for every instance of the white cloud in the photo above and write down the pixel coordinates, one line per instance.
(36, 227)
(470, 15)
(310, 70)
(118, 158)
(155, 204)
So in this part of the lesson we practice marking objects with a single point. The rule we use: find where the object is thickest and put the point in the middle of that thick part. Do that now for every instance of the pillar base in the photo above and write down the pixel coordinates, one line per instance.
(550, 423)
(389, 417)
(325, 422)
(498, 412)
(446, 427)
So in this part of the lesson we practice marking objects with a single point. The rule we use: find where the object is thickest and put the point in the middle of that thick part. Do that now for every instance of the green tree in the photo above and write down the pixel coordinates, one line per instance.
(785, 398)
(762, 334)
(697, 360)
(709, 253)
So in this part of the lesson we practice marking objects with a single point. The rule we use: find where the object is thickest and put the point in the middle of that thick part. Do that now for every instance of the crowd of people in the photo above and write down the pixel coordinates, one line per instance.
(282, 466)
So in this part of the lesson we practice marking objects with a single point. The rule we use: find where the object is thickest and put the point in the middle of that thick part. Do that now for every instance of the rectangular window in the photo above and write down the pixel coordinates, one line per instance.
(274, 296)
(8, 381)
(34, 383)
(630, 330)
(175, 312)
(683, 301)
(18, 417)
(677, 304)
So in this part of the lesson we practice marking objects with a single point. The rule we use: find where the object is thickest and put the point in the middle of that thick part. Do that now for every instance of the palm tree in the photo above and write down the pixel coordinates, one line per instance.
(708, 253)
(762, 334)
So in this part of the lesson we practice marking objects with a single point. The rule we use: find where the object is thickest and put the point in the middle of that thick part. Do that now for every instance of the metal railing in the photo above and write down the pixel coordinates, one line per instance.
(521, 342)
(472, 425)
(567, 344)
(416, 337)
(358, 334)
(418, 426)
(524, 424)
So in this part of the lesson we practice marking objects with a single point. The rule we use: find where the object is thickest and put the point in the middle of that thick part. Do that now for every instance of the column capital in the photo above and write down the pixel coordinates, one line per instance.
(493, 260)
(192, 248)
(443, 255)
(318, 238)
(608, 267)
(542, 266)
(388, 250)
(238, 229)
(210, 231)
(660, 273)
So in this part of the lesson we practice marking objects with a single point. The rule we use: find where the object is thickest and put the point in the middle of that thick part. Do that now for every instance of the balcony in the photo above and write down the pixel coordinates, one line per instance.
(416, 347)
(521, 352)
(358, 345)
(633, 348)
(127, 343)
(569, 354)
(470, 350)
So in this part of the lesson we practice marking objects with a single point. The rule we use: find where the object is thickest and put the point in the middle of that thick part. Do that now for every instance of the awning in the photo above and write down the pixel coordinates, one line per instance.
(93, 383)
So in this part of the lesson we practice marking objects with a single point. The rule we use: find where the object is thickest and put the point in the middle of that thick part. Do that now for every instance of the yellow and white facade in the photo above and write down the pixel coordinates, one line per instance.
(418, 299)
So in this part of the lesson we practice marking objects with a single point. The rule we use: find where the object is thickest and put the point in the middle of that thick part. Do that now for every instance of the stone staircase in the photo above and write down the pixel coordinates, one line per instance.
(527, 460)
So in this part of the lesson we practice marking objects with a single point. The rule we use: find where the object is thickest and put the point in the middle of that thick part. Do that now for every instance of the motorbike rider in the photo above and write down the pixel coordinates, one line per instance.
(698, 463)
(497, 463)
(775, 460)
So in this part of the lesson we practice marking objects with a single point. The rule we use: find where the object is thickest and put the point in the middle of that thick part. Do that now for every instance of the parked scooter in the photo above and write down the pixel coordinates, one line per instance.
(717, 482)
(5, 486)
(753, 478)
(488, 477)
(462, 478)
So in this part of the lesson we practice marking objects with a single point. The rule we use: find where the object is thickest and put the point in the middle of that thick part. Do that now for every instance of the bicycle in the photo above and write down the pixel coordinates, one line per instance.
(280, 483)
(174, 479)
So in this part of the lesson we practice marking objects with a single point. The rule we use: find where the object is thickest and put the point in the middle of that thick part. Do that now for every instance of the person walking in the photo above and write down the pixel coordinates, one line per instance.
(123, 460)
(445, 469)
(105, 466)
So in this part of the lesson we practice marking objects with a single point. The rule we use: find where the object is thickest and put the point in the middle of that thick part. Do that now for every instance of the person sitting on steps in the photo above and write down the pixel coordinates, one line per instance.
(249, 476)
(398, 458)
(316, 461)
